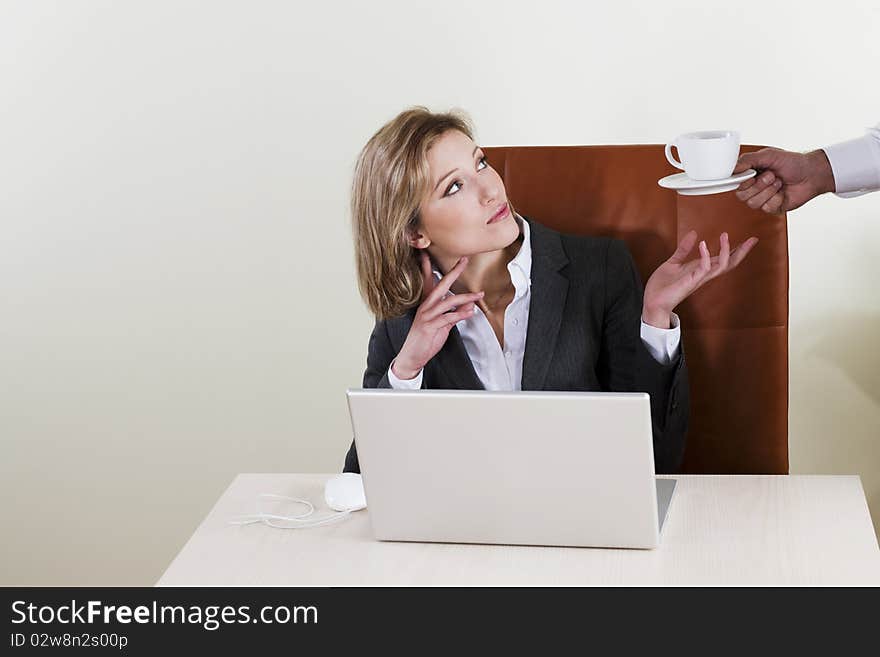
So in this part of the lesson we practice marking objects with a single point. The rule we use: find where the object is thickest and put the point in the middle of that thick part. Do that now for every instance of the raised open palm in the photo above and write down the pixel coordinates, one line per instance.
(677, 278)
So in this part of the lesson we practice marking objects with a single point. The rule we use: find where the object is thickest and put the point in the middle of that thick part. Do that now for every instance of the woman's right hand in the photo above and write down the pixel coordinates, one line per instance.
(434, 319)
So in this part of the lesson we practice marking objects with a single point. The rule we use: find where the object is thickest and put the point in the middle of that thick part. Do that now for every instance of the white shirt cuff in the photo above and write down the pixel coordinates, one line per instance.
(663, 344)
(856, 164)
(414, 383)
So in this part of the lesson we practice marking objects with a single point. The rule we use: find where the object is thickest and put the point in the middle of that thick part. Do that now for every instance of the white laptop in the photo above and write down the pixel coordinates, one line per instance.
(516, 468)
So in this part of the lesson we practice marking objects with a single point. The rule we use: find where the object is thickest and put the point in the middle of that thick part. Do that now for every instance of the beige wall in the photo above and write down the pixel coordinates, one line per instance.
(177, 302)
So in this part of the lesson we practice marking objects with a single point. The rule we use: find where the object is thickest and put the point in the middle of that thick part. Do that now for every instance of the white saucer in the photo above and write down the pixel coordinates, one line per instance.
(687, 187)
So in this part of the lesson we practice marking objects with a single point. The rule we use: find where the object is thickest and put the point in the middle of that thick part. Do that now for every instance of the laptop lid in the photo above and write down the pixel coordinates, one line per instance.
(530, 468)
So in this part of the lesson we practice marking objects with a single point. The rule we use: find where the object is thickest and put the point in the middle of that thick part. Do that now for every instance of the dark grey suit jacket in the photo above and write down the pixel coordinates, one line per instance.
(583, 334)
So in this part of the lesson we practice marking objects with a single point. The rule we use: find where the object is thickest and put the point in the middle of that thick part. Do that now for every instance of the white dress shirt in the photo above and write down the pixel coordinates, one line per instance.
(856, 164)
(501, 369)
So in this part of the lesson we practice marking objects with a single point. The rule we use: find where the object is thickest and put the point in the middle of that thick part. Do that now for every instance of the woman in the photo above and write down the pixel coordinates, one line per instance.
(468, 295)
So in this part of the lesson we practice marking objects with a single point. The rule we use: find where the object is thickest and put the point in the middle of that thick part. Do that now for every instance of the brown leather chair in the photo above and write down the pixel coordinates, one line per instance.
(734, 329)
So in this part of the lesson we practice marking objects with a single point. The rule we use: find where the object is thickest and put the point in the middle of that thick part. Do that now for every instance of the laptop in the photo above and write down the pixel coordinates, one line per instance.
(513, 468)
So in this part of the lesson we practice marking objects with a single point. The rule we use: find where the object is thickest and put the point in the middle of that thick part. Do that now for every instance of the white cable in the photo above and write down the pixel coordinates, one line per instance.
(302, 521)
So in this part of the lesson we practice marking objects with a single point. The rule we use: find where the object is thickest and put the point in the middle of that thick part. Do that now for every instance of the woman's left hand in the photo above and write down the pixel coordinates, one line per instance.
(676, 279)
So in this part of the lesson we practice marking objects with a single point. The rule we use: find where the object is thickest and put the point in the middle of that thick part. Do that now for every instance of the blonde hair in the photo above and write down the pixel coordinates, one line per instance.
(391, 179)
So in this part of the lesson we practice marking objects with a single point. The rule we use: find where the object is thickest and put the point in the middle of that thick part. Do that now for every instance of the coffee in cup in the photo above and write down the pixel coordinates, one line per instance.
(705, 155)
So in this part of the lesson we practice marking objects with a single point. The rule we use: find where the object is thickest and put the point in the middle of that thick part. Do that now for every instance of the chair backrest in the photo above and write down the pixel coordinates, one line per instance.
(735, 329)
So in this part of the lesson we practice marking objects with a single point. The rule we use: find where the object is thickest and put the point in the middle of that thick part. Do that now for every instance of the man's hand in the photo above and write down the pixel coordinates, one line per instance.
(785, 180)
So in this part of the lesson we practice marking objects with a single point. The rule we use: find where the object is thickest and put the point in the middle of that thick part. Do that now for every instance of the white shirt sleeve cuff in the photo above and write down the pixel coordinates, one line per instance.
(856, 164)
(663, 344)
(414, 383)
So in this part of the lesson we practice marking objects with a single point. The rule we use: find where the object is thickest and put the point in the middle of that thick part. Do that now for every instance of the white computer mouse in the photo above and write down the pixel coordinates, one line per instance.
(345, 492)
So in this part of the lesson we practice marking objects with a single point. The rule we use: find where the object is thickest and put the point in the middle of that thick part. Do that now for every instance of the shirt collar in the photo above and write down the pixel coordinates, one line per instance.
(520, 267)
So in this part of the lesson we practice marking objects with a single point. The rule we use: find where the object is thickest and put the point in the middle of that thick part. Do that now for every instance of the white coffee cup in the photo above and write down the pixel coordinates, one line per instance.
(705, 155)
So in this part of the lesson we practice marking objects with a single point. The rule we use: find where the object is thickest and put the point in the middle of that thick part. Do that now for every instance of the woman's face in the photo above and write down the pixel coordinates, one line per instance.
(466, 211)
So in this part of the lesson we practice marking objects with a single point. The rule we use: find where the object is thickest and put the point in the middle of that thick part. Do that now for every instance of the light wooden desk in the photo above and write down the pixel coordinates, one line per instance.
(721, 530)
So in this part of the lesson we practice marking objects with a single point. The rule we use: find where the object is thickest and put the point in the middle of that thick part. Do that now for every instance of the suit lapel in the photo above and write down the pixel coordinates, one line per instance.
(455, 363)
(548, 293)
